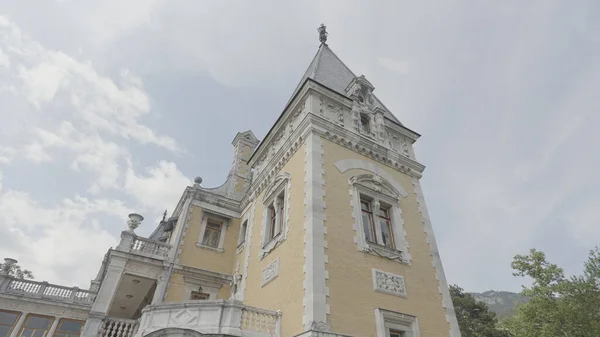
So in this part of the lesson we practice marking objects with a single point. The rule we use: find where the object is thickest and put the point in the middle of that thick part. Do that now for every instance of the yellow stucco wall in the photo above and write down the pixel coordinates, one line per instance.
(286, 292)
(176, 289)
(208, 259)
(352, 299)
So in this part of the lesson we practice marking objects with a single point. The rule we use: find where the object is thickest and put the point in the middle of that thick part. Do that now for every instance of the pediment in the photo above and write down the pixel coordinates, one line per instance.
(377, 184)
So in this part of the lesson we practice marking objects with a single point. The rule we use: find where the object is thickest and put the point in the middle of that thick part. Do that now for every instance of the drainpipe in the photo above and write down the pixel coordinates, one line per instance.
(184, 211)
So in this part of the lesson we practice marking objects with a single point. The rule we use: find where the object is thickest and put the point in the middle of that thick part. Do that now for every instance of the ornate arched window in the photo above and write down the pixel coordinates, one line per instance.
(275, 214)
(379, 225)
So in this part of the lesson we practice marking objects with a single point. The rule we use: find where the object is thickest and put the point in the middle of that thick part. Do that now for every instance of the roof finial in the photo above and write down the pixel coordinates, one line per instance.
(323, 33)
(164, 215)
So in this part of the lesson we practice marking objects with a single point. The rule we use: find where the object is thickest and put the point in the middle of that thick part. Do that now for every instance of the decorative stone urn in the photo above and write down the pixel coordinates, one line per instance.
(8, 263)
(134, 221)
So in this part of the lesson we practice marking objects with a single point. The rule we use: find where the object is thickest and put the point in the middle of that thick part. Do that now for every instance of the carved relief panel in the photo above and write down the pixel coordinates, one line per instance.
(388, 283)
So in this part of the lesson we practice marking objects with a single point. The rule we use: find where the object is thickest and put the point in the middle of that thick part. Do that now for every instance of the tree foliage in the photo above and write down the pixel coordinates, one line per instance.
(558, 306)
(15, 270)
(474, 317)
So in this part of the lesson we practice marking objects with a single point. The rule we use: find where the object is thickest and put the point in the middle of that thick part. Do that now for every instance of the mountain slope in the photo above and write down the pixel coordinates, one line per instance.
(503, 303)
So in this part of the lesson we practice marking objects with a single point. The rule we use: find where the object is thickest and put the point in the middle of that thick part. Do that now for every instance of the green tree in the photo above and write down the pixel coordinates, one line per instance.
(15, 270)
(558, 306)
(474, 317)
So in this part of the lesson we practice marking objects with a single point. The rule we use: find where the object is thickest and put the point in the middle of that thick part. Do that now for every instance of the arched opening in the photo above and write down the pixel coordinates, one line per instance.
(174, 332)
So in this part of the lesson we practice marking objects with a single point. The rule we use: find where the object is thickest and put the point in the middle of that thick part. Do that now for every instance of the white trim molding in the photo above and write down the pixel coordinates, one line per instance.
(242, 292)
(315, 271)
(437, 262)
(349, 164)
(386, 320)
(388, 283)
(279, 186)
(269, 273)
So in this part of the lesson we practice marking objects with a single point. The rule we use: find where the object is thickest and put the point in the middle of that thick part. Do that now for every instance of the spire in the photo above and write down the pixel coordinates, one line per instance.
(323, 33)
(328, 70)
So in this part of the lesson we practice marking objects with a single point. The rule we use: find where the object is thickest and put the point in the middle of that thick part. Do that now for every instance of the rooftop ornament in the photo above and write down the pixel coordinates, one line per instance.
(323, 33)
(134, 221)
(197, 182)
(8, 263)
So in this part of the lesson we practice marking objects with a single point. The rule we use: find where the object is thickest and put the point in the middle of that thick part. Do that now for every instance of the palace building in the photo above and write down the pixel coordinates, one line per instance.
(320, 229)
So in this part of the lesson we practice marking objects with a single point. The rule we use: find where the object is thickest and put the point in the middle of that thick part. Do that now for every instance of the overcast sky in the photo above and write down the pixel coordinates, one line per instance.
(113, 106)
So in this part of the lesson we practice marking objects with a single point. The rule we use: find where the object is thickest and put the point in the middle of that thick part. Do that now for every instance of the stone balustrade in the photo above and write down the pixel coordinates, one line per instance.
(131, 243)
(225, 317)
(152, 247)
(118, 327)
(259, 320)
(45, 290)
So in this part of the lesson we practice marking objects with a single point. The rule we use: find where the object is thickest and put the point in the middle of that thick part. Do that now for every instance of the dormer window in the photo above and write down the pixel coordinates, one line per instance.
(365, 123)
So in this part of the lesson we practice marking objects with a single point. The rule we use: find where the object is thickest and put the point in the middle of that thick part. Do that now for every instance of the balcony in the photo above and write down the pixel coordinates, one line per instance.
(44, 290)
(222, 317)
(131, 243)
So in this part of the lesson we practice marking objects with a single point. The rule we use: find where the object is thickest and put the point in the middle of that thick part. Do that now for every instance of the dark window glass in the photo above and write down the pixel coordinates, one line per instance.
(70, 326)
(8, 318)
(4, 330)
(37, 322)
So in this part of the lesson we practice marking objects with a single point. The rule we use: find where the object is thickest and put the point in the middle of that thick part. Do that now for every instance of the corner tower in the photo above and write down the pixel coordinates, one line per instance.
(371, 263)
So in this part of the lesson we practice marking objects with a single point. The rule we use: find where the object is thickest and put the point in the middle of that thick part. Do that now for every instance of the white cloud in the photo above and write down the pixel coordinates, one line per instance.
(61, 243)
(4, 60)
(160, 188)
(94, 101)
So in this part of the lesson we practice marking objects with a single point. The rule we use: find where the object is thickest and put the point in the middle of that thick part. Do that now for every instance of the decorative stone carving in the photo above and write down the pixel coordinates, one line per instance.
(270, 272)
(134, 221)
(388, 283)
(320, 326)
(377, 184)
(183, 318)
(388, 253)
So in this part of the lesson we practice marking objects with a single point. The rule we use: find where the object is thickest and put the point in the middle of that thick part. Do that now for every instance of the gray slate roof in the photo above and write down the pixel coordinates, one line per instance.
(327, 69)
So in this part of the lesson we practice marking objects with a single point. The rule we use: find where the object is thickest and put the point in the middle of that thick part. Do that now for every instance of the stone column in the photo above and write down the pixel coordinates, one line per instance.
(53, 327)
(17, 329)
(105, 296)
(161, 287)
(126, 241)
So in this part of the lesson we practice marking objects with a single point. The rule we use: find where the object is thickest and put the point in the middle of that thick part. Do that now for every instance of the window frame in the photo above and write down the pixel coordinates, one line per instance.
(68, 333)
(201, 293)
(243, 232)
(387, 321)
(11, 328)
(380, 194)
(24, 326)
(276, 199)
(212, 228)
(209, 217)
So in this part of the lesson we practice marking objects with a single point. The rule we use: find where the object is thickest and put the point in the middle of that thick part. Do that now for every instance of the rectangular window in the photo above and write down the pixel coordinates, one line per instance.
(367, 220)
(8, 319)
(36, 326)
(243, 230)
(280, 212)
(272, 223)
(364, 123)
(212, 234)
(385, 224)
(69, 328)
(394, 333)
(198, 295)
